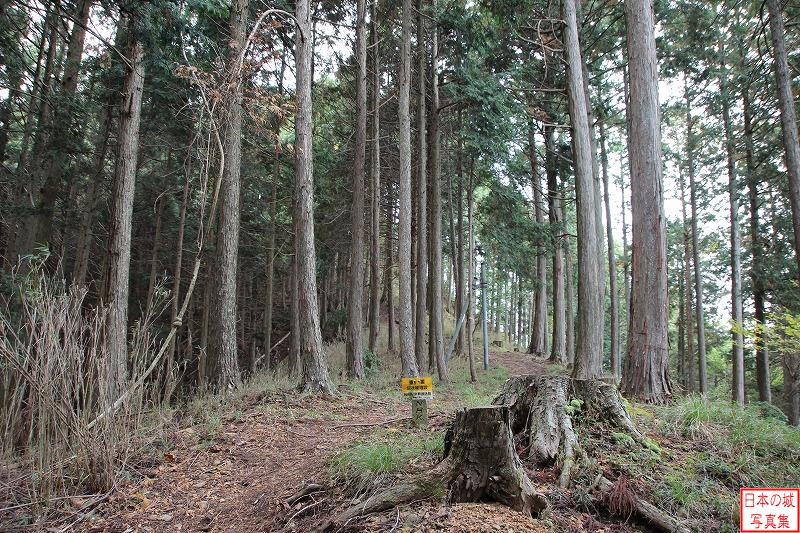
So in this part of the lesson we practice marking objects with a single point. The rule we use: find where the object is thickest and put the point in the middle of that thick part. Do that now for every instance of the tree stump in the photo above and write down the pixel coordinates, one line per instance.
(483, 464)
(543, 412)
(480, 464)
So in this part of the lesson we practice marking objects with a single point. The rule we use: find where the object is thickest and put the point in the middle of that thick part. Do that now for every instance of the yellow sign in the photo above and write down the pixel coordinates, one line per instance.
(418, 388)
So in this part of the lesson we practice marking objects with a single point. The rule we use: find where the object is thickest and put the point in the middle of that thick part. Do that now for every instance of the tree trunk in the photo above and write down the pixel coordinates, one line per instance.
(737, 357)
(682, 357)
(119, 244)
(355, 319)
(65, 115)
(625, 261)
(791, 143)
(538, 343)
(453, 245)
(295, 363)
(375, 211)
(646, 373)
(757, 274)
(420, 348)
(407, 359)
(480, 464)
(224, 314)
(461, 288)
(589, 353)
(315, 369)
(570, 309)
(154, 262)
(436, 326)
(15, 227)
(691, 367)
(388, 275)
(616, 363)
(558, 351)
(470, 325)
(80, 268)
(791, 387)
(698, 282)
(272, 252)
(176, 277)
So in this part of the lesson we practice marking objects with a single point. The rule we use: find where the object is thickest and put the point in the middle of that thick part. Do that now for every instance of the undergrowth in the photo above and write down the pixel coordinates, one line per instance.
(700, 452)
(371, 462)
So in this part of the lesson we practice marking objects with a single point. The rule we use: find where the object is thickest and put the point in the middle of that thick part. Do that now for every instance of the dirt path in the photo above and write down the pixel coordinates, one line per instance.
(276, 445)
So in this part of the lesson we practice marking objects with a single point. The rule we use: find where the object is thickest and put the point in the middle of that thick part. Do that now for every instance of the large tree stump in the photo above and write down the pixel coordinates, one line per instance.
(480, 464)
(542, 409)
(483, 464)
(543, 413)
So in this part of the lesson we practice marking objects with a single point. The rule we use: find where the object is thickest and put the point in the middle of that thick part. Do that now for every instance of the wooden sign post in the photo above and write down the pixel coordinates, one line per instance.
(419, 390)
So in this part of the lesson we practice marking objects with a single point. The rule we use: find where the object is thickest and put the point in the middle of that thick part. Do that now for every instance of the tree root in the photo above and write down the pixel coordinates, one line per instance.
(480, 464)
(481, 461)
(544, 413)
(645, 511)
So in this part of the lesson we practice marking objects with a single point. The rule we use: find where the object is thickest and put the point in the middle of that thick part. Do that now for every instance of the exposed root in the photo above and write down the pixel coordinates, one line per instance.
(542, 410)
(645, 511)
(480, 464)
(545, 411)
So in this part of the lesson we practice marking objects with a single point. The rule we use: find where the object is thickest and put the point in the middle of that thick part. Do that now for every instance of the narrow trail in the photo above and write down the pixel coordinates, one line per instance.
(260, 457)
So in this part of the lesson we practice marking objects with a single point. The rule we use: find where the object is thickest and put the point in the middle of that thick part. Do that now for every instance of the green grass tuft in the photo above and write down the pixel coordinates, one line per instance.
(385, 453)
(763, 449)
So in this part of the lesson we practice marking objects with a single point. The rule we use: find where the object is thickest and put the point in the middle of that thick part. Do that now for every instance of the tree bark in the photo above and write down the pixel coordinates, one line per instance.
(375, 211)
(589, 353)
(177, 275)
(355, 319)
(224, 314)
(420, 348)
(388, 275)
(436, 326)
(119, 245)
(538, 343)
(65, 115)
(480, 464)
(570, 309)
(470, 325)
(315, 369)
(558, 349)
(407, 359)
(625, 260)
(80, 268)
(272, 252)
(791, 142)
(691, 367)
(737, 357)
(461, 288)
(698, 282)
(791, 387)
(616, 363)
(646, 373)
(757, 274)
(154, 262)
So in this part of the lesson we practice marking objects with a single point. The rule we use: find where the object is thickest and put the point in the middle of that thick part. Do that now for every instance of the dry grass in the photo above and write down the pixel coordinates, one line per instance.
(53, 386)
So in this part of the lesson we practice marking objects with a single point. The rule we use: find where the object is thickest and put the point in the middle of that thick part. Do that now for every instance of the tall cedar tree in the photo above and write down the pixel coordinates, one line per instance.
(646, 372)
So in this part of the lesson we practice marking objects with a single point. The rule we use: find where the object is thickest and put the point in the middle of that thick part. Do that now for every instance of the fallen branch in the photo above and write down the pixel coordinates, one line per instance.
(311, 488)
(480, 464)
(647, 512)
(273, 347)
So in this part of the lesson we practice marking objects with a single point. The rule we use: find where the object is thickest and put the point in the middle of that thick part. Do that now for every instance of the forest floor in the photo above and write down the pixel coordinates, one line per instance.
(233, 464)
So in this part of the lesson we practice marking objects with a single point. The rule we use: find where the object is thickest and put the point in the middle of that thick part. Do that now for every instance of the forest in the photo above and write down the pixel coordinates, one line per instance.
(239, 237)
